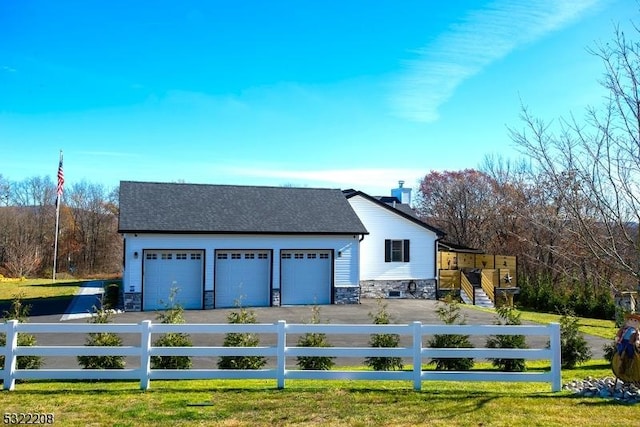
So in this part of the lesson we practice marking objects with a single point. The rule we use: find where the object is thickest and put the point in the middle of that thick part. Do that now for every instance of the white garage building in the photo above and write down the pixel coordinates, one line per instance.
(220, 245)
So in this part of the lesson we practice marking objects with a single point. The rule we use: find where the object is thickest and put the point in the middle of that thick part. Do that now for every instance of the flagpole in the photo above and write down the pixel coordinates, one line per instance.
(58, 199)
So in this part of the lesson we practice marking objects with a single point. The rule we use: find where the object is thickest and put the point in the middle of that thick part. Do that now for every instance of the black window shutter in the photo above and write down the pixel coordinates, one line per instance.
(387, 250)
(406, 251)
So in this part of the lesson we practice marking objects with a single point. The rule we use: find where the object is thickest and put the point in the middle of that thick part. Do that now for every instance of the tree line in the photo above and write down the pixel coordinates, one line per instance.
(88, 239)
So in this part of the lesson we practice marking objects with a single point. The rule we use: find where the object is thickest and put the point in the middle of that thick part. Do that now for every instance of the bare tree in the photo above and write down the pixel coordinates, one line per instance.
(592, 166)
(461, 203)
(21, 250)
(97, 244)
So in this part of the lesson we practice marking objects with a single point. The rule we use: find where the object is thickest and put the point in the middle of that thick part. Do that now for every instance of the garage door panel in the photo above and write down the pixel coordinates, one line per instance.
(242, 277)
(168, 270)
(306, 277)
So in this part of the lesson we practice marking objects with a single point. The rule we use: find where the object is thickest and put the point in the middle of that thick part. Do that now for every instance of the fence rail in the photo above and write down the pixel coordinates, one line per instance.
(416, 352)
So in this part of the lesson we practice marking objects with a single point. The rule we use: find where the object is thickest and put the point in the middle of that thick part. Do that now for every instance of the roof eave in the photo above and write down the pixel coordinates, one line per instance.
(266, 233)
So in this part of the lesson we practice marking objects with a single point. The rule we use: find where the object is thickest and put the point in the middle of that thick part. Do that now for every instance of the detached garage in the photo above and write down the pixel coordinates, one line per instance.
(224, 245)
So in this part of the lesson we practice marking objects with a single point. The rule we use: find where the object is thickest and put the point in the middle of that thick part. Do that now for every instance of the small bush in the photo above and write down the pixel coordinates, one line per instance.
(574, 348)
(102, 315)
(382, 317)
(233, 339)
(112, 295)
(321, 363)
(173, 314)
(20, 312)
(507, 316)
(449, 312)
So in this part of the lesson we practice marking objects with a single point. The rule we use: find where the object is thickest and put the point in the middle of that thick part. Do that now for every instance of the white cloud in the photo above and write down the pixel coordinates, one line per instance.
(481, 38)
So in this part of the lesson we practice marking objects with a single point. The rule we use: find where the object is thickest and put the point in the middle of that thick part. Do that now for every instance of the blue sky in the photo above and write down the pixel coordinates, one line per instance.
(341, 94)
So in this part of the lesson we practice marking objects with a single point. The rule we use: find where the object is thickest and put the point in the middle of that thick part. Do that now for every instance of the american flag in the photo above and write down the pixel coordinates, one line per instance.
(60, 178)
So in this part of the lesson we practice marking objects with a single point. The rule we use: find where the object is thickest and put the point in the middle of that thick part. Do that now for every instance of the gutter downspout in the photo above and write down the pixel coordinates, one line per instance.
(435, 266)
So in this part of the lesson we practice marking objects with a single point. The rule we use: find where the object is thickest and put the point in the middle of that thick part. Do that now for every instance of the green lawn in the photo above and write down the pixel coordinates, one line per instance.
(599, 328)
(352, 403)
(37, 288)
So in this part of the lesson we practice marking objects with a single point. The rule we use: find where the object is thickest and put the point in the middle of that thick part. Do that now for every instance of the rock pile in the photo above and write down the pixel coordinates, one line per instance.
(605, 388)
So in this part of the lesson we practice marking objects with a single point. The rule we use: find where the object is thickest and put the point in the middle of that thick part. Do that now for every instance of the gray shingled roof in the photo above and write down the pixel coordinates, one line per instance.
(201, 208)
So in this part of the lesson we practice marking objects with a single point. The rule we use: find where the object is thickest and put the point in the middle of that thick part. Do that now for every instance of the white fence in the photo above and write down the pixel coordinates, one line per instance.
(280, 351)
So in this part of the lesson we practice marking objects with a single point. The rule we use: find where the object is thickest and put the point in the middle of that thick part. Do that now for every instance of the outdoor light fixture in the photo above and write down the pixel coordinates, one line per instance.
(135, 255)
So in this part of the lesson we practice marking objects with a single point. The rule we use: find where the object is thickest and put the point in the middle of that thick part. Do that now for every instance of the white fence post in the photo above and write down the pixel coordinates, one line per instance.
(417, 355)
(11, 343)
(281, 359)
(145, 358)
(556, 358)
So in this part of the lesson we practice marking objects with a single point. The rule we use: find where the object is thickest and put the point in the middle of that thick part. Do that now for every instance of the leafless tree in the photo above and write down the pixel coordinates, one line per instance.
(461, 203)
(592, 166)
(21, 250)
(94, 228)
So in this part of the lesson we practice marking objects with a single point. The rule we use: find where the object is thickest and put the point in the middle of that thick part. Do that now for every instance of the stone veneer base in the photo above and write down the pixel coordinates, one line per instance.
(132, 301)
(346, 295)
(399, 289)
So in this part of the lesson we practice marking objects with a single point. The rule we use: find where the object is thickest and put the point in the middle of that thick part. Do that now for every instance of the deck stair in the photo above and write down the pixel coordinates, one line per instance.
(473, 281)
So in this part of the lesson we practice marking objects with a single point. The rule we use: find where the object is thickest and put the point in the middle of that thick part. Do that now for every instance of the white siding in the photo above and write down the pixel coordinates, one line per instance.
(345, 266)
(384, 224)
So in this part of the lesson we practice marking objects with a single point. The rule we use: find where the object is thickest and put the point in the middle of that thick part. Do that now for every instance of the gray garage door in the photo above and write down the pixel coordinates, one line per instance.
(243, 277)
(306, 277)
(164, 270)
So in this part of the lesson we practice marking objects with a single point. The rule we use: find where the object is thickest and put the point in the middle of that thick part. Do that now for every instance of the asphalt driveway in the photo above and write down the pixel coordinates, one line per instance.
(402, 312)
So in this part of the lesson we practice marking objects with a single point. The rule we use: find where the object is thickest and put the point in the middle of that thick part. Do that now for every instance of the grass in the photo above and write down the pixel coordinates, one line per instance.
(37, 288)
(304, 402)
(600, 328)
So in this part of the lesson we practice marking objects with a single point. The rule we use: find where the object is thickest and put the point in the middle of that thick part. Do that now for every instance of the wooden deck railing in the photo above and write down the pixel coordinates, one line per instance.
(488, 287)
(467, 288)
